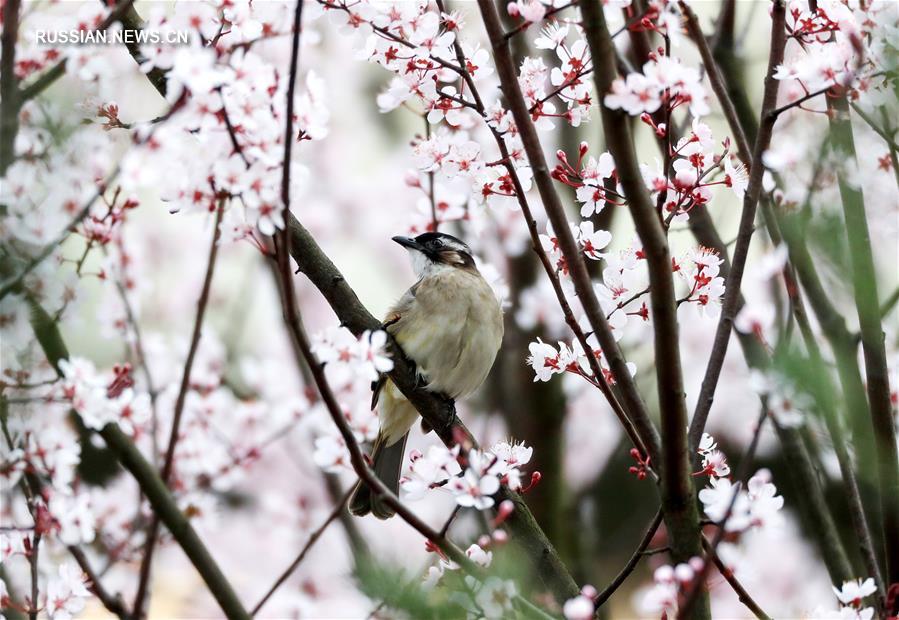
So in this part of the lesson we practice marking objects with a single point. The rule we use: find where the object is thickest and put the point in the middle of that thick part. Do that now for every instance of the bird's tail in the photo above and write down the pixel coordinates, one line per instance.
(387, 462)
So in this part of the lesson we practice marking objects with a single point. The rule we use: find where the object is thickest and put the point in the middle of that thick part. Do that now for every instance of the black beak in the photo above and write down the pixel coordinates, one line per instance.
(407, 242)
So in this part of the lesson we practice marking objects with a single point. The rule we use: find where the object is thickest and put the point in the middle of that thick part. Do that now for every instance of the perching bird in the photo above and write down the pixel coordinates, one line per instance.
(451, 325)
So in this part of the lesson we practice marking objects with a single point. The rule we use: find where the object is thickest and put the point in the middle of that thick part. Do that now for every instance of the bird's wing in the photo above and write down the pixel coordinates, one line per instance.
(391, 325)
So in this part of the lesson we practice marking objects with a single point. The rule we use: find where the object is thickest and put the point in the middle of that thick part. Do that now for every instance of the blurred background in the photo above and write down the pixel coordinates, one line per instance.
(246, 463)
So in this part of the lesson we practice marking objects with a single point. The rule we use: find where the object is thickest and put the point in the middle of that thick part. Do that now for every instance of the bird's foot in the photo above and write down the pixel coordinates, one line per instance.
(451, 418)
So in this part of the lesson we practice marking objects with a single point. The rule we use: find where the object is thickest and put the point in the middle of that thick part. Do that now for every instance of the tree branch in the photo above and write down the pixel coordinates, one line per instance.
(737, 587)
(867, 303)
(747, 220)
(9, 96)
(113, 603)
(506, 71)
(125, 13)
(154, 489)
(678, 501)
(313, 538)
(732, 94)
(166, 509)
(168, 463)
(712, 547)
(632, 562)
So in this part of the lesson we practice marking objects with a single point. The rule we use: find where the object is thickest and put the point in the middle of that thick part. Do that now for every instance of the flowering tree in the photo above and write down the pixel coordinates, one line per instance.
(186, 371)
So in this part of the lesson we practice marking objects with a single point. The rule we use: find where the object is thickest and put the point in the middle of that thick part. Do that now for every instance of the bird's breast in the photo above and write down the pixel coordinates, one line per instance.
(452, 329)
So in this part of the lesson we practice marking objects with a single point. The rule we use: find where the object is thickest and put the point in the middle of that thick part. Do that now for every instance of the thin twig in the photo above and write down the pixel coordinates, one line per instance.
(773, 114)
(632, 562)
(890, 303)
(735, 585)
(744, 235)
(743, 475)
(313, 538)
(717, 81)
(15, 281)
(168, 463)
(449, 521)
(434, 221)
(524, 25)
(33, 559)
(131, 320)
(891, 144)
(113, 603)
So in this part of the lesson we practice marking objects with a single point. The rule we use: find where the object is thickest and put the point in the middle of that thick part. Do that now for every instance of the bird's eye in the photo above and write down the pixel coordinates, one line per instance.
(437, 243)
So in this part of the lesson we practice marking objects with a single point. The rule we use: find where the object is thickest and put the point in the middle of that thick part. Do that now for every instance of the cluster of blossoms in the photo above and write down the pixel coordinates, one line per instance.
(547, 360)
(417, 45)
(591, 242)
(696, 168)
(664, 81)
(669, 586)
(66, 593)
(699, 268)
(787, 403)
(830, 53)
(834, 49)
(473, 487)
(231, 95)
(568, 81)
(100, 399)
(620, 295)
(735, 509)
(730, 507)
(851, 598)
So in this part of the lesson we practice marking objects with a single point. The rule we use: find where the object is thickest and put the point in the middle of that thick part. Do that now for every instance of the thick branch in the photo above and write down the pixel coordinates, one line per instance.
(166, 509)
(864, 279)
(555, 211)
(126, 14)
(152, 486)
(678, 501)
(9, 96)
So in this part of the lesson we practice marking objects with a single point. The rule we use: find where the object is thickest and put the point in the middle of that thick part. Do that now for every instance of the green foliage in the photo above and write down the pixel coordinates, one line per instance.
(402, 592)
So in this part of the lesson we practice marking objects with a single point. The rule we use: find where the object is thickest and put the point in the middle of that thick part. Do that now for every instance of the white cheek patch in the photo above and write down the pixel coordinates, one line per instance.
(424, 266)
(420, 263)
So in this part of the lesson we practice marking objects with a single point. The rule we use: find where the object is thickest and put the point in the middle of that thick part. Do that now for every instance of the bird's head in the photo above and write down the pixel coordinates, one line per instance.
(433, 251)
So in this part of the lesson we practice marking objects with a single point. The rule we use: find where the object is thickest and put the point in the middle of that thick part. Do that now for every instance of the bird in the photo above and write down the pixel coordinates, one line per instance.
(450, 324)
